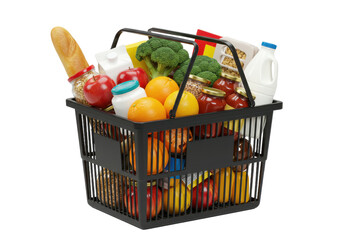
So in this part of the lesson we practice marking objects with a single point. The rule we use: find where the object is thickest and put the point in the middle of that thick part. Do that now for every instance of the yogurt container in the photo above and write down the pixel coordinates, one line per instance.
(124, 95)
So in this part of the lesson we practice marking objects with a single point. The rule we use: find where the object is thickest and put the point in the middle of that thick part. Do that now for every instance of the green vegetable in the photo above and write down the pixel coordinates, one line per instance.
(204, 67)
(161, 56)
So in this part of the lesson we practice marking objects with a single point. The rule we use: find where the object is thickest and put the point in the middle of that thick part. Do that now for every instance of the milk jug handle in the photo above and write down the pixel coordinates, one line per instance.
(270, 61)
(276, 68)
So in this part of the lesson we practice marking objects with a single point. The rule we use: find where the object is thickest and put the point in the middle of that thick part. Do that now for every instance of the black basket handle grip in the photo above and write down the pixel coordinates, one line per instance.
(223, 42)
(190, 66)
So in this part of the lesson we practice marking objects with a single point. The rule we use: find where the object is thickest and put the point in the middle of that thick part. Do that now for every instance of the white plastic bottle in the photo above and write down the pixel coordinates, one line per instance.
(261, 74)
(124, 95)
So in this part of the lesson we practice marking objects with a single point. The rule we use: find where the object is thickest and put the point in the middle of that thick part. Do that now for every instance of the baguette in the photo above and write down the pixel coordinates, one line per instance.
(68, 50)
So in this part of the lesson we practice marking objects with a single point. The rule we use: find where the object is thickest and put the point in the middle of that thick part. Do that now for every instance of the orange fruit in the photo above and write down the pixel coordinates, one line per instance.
(180, 139)
(146, 109)
(188, 104)
(157, 155)
(160, 88)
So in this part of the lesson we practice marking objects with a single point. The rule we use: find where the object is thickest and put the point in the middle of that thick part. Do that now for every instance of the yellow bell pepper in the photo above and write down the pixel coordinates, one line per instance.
(227, 182)
(245, 193)
(178, 207)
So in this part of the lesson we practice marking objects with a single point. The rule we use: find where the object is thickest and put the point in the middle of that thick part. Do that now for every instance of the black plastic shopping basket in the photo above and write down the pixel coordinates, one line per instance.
(174, 168)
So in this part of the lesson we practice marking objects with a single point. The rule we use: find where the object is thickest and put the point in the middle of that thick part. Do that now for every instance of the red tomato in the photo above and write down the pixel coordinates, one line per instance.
(134, 74)
(150, 197)
(97, 91)
(207, 189)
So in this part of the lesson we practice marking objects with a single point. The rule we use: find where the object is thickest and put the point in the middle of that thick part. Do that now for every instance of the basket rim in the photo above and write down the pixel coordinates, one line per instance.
(176, 122)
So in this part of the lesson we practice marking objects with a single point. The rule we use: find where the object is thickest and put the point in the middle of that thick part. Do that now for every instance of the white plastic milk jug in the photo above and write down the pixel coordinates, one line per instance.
(261, 74)
(114, 61)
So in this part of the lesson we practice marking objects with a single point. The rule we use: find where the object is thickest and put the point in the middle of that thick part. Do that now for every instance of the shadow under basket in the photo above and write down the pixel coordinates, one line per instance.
(175, 170)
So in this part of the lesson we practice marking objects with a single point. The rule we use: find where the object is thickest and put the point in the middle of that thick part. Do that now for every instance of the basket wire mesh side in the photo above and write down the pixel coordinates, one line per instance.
(182, 189)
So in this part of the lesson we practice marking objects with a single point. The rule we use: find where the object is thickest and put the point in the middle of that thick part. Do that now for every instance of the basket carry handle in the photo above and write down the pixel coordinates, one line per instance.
(223, 42)
(172, 38)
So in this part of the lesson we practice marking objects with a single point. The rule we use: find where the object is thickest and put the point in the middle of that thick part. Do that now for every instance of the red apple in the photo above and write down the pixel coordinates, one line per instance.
(134, 74)
(207, 189)
(151, 196)
(97, 91)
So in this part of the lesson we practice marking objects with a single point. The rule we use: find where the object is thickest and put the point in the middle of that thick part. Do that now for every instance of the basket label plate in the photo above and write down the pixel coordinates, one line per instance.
(108, 154)
(211, 153)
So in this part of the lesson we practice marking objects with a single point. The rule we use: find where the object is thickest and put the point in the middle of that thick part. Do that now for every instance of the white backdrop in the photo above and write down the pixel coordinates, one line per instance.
(42, 189)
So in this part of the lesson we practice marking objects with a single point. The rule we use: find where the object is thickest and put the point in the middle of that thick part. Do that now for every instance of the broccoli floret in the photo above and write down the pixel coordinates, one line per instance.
(161, 56)
(181, 72)
(143, 51)
(154, 43)
(215, 68)
(204, 67)
(208, 75)
(183, 55)
(176, 46)
(165, 58)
